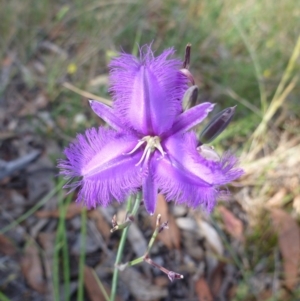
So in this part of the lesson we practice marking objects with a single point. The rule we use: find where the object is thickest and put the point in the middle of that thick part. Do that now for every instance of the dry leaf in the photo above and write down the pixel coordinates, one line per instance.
(7, 247)
(211, 235)
(32, 268)
(202, 290)
(289, 244)
(72, 210)
(101, 223)
(140, 287)
(170, 237)
(233, 225)
(217, 279)
(277, 199)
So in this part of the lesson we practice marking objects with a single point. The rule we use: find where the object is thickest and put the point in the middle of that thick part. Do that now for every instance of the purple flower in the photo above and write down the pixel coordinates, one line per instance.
(149, 144)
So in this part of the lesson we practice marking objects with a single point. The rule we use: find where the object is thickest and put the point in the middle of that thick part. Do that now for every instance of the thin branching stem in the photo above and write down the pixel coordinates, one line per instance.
(121, 246)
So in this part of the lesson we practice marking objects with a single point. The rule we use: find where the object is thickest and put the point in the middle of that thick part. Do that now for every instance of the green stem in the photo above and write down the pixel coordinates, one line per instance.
(135, 261)
(121, 247)
(82, 254)
(154, 235)
(65, 252)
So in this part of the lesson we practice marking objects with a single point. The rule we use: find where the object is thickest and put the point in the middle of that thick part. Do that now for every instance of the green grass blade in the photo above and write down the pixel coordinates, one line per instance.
(82, 255)
(61, 243)
(3, 297)
(38, 205)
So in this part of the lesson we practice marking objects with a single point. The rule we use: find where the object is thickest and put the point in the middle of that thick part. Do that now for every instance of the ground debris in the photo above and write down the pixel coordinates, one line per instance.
(289, 244)
(32, 268)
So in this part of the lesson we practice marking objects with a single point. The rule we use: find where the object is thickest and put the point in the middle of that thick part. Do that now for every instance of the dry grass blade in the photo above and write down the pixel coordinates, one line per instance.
(92, 287)
(87, 94)
(279, 97)
(258, 143)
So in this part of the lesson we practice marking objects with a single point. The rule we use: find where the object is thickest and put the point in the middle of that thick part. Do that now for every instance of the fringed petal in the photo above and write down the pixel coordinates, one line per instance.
(190, 118)
(150, 192)
(107, 114)
(147, 91)
(104, 169)
(186, 177)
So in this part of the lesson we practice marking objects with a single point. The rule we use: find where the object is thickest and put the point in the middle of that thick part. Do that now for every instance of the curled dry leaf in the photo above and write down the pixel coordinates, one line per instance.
(233, 225)
(202, 290)
(170, 237)
(289, 244)
(32, 268)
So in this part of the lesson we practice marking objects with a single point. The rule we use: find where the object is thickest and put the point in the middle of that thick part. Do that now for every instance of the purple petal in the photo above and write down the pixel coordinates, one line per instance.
(147, 91)
(107, 114)
(190, 118)
(106, 173)
(187, 177)
(150, 192)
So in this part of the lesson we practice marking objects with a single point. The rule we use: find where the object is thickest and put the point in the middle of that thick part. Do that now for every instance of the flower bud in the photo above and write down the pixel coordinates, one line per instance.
(190, 97)
(217, 125)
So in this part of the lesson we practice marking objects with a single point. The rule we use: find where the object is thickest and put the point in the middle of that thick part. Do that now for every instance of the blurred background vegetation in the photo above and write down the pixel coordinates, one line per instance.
(54, 56)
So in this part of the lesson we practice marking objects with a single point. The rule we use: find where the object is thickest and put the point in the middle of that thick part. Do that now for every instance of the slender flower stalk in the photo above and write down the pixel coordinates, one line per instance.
(134, 211)
(150, 144)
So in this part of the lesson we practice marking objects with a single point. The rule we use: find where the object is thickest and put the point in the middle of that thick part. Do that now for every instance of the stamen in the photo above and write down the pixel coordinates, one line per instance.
(141, 142)
(146, 153)
(152, 144)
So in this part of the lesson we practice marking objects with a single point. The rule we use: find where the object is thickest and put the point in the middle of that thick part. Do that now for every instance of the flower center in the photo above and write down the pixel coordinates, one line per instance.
(152, 143)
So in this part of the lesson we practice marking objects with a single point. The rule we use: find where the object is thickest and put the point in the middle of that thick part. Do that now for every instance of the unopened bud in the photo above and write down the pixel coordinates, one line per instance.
(189, 75)
(190, 96)
(217, 125)
(187, 56)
